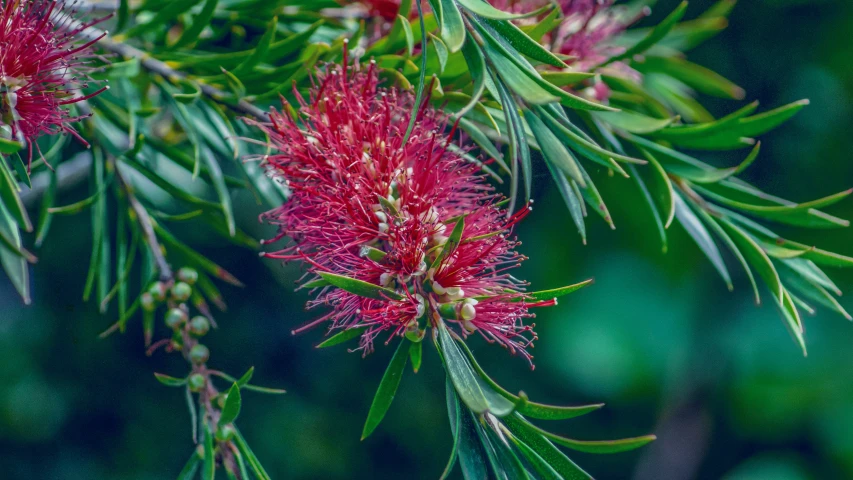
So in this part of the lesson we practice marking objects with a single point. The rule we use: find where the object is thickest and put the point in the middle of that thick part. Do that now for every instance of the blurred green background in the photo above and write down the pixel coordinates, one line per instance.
(658, 337)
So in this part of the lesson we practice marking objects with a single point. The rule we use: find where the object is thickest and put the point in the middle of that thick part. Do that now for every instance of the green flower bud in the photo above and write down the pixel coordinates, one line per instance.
(158, 291)
(147, 302)
(225, 433)
(181, 291)
(188, 275)
(197, 382)
(175, 318)
(199, 354)
(199, 326)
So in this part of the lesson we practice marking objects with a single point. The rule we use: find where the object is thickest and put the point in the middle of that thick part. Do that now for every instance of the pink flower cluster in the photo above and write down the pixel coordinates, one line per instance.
(367, 206)
(42, 69)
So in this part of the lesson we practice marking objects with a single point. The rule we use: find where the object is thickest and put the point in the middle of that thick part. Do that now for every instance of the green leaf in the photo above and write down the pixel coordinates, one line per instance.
(45, 217)
(247, 452)
(190, 35)
(594, 446)
(486, 10)
(441, 51)
(196, 258)
(342, 336)
(454, 411)
(804, 214)
(190, 468)
(417, 355)
(477, 69)
(170, 381)
(8, 147)
(633, 122)
(505, 463)
(696, 76)
(544, 448)
(244, 380)
(452, 27)
(9, 196)
(360, 287)
(473, 391)
(552, 149)
(727, 240)
(700, 235)
(231, 409)
(655, 35)
(573, 200)
(163, 17)
(555, 292)
(452, 242)
(523, 43)
(647, 196)
(387, 388)
(540, 466)
(14, 264)
(208, 471)
(525, 406)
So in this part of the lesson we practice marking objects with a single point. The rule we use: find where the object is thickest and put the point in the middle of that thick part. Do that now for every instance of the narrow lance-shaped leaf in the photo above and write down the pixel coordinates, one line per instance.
(233, 403)
(387, 388)
(360, 287)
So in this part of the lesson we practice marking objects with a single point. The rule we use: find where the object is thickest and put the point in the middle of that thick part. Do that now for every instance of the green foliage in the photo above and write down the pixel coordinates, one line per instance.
(167, 140)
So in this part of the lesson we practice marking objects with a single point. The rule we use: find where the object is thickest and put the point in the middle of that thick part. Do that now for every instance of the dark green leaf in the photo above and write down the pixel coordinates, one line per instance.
(387, 388)
(655, 35)
(544, 448)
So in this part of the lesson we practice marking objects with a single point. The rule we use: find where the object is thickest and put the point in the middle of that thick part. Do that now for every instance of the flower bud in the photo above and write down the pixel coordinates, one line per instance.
(225, 433)
(181, 292)
(157, 291)
(468, 312)
(147, 302)
(199, 326)
(175, 318)
(188, 275)
(199, 354)
(197, 382)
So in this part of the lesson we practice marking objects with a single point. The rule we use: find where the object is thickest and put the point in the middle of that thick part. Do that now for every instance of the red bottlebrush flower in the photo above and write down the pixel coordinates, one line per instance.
(42, 68)
(366, 206)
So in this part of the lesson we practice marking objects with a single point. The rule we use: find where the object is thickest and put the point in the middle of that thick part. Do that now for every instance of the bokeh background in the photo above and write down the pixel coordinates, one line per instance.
(658, 337)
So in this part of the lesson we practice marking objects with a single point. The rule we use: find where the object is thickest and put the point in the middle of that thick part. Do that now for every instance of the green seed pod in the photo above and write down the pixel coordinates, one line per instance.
(197, 382)
(181, 291)
(146, 300)
(188, 275)
(225, 433)
(199, 354)
(157, 291)
(199, 326)
(175, 318)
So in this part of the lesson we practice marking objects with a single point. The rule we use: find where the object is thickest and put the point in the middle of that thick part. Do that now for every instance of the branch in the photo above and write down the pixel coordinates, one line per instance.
(145, 222)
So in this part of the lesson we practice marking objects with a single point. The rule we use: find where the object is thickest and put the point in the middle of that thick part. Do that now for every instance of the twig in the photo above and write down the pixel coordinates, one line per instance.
(145, 220)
